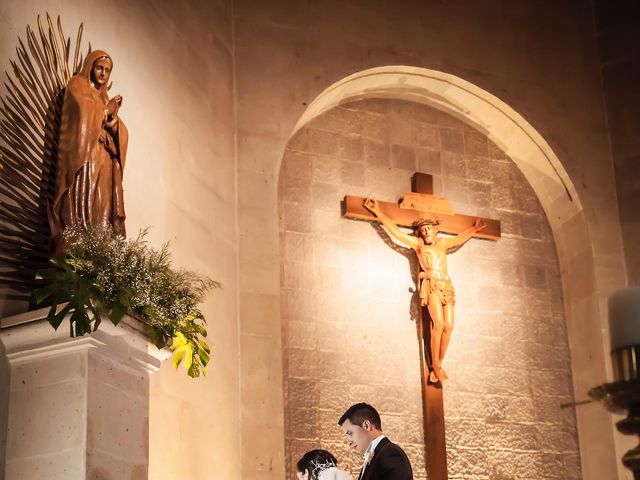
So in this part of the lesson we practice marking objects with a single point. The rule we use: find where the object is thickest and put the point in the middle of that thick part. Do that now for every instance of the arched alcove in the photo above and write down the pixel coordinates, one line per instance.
(582, 288)
(477, 107)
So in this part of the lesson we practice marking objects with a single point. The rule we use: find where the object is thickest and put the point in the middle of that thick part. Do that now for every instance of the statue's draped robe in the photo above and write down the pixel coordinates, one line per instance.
(90, 160)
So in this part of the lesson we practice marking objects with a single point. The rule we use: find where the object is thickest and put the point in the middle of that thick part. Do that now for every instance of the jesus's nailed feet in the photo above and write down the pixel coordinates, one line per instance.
(433, 380)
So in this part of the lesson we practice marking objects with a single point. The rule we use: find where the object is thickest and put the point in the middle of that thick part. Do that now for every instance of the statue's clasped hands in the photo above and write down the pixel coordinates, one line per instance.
(112, 110)
(114, 105)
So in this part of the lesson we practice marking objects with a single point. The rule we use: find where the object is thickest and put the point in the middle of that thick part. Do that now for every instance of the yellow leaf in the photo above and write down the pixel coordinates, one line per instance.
(178, 341)
(188, 359)
(177, 356)
(204, 356)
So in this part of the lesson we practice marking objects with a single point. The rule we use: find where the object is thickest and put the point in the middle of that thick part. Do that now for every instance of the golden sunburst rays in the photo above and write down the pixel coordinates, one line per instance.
(29, 131)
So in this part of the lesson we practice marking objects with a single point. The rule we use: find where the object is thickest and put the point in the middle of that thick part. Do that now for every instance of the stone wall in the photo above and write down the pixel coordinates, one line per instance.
(348, 333)
(201, 80)
(541, 60)
(616, 24)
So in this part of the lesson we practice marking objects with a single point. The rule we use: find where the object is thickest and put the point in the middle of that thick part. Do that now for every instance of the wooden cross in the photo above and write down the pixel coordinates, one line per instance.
(417, 204)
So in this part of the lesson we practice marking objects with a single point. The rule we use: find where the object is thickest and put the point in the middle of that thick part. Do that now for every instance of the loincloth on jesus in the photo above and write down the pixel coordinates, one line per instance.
(440, 286)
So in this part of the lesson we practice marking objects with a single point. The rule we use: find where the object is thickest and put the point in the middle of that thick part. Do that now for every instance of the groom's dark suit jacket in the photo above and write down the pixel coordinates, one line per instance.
(389, 462)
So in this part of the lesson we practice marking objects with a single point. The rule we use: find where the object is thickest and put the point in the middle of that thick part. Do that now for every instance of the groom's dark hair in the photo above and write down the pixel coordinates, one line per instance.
(360, 412)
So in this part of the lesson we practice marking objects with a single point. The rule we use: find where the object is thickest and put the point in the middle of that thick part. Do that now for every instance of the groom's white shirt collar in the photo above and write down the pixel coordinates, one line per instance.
(368, 453)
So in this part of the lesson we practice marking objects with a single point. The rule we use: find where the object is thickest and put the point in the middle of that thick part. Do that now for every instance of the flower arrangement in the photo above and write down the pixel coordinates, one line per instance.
(103, 274)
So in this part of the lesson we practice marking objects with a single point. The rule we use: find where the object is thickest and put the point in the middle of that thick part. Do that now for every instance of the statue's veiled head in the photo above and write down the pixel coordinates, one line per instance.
(97, 69)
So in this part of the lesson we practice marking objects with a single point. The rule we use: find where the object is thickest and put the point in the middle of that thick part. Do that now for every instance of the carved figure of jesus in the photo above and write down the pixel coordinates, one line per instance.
(436, 289)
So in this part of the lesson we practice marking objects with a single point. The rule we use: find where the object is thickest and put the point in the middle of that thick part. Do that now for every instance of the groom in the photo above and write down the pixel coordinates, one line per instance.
(383, 460)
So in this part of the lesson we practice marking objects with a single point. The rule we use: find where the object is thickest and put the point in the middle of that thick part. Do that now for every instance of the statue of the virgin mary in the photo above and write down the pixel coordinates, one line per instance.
(91, 154)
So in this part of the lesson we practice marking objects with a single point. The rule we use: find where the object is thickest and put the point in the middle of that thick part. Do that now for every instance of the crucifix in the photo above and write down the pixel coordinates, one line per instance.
(427, 214)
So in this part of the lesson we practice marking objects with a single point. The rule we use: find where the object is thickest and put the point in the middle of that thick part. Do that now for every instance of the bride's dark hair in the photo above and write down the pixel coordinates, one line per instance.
(315, 461)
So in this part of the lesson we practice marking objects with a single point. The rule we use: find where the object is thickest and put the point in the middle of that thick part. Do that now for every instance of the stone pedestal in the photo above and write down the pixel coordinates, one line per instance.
(78, 408)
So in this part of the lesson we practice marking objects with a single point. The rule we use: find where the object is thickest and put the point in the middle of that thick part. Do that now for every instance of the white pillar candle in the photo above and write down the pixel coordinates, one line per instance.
(624, 317)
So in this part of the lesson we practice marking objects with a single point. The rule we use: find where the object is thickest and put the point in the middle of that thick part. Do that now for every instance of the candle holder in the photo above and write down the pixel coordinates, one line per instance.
(624, 394)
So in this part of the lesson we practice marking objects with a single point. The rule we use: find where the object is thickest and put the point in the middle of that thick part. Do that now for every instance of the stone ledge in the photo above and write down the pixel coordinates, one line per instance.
(28, 336)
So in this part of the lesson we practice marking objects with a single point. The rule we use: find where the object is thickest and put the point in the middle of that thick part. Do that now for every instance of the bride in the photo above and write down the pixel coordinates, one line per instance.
(320, 465)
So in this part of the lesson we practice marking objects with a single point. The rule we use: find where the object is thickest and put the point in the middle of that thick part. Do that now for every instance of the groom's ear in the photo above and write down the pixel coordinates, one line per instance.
(366, 424)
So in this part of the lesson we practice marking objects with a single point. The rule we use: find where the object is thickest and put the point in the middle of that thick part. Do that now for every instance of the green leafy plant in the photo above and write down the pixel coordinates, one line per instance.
(103, 274)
